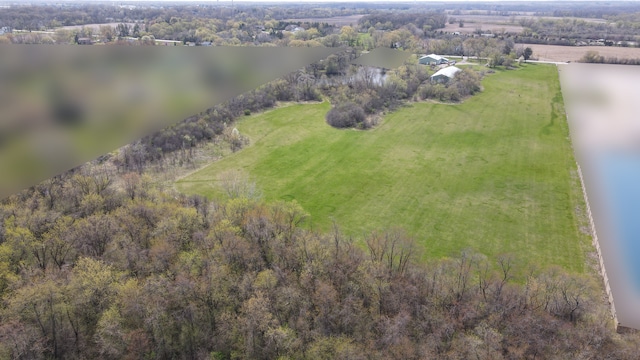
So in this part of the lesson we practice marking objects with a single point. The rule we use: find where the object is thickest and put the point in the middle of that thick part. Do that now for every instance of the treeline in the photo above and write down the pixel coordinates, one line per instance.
(582, 9)
(595, 58)
(43, 17)
(390, 20)
(216, 122)
(571, 31)
(535, 39)
(89, 269)
(476, 46)
(593, 10)
(626, 20)
(221, 25)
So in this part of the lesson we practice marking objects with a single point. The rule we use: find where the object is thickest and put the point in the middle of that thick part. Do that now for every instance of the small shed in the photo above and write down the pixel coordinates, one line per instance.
(445, 74)
(433, 59)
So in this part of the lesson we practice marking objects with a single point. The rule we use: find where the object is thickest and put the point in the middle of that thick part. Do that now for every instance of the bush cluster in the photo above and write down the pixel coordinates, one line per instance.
(466, 83)
(363, 92)
(347, 115)
(595, 58)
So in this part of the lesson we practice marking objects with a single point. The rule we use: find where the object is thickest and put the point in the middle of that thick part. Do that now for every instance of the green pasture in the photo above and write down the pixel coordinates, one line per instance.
(495, 174)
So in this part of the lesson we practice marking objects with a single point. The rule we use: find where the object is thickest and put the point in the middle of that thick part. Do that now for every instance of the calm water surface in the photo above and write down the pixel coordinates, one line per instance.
(620, 172)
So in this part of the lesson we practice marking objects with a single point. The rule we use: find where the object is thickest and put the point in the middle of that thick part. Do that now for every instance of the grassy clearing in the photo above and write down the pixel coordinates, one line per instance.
(495, 173)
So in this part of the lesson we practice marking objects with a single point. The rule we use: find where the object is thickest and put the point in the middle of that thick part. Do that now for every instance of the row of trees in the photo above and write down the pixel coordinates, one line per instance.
(215, 123)
(568, 31)
(422, 20)
(221, 25)
(89, 269)
(483, 47)
(42, 17)
(45, 17)
(595, 58)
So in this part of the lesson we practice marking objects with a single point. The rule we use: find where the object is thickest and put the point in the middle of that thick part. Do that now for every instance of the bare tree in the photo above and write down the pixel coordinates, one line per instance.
(237, 185)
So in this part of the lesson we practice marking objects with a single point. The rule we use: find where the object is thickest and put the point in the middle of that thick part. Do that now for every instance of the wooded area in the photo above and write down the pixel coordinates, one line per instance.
(89, 270)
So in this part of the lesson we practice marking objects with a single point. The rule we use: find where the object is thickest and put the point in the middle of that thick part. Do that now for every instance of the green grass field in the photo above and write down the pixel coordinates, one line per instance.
(495, 173)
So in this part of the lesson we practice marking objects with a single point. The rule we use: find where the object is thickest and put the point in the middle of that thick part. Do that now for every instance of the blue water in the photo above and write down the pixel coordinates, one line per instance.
(621, 174)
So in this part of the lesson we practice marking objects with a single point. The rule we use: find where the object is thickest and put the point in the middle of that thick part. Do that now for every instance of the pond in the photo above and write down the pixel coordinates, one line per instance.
(602, 103)
(619, 172)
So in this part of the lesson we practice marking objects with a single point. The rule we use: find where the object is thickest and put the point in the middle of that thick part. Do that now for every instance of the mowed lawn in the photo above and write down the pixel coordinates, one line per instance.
(495, 174)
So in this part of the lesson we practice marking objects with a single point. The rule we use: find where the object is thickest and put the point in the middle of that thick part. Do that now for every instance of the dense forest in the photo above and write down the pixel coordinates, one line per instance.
(97, 267)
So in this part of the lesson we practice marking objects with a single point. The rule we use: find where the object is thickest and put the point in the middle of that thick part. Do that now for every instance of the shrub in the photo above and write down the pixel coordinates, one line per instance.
(450, 94)
(432, 91)
(592, 57)
(467, 82)
(347, 115)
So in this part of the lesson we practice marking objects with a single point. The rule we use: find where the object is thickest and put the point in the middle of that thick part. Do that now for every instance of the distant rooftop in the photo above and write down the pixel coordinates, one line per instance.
(435, 57)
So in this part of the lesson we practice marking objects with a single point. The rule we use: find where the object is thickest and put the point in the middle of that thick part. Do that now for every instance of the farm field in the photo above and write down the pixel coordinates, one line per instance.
(495, 173)
(575, 53)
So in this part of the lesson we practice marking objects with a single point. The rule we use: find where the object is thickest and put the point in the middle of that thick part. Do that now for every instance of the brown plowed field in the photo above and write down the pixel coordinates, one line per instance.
(574, 53)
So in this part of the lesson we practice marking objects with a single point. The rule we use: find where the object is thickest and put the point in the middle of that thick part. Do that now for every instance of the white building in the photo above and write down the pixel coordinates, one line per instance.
(445, 74)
